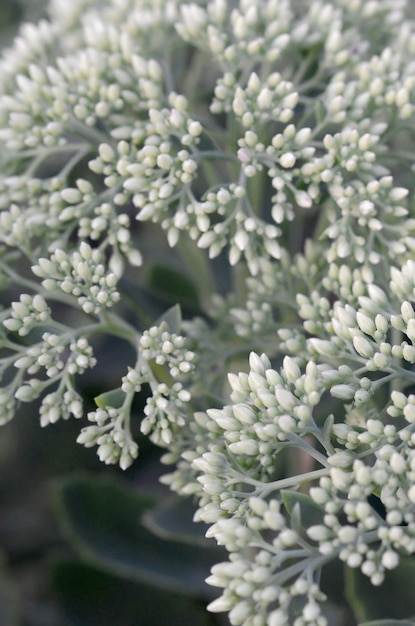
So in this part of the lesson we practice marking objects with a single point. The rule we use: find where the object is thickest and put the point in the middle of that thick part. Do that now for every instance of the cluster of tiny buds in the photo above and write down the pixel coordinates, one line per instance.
(293, 127)
(167, 348)
(50, 355)
(61, 404)
(81, 274)
(166, 411)
(30, 311)
(111, 434)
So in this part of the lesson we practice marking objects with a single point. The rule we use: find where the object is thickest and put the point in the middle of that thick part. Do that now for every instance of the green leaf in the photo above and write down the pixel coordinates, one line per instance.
(102, 518)
(174, 520)
(296, 518)
(173, 318)
(328, 427)
(394, 599)
(310, 513)
(114, 398)
(88, 597)
(173, 285)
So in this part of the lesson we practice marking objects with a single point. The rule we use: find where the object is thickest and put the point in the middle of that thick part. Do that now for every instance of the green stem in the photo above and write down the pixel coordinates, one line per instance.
(285, 483)
(312, 563)
(90, 134)
(115, 325)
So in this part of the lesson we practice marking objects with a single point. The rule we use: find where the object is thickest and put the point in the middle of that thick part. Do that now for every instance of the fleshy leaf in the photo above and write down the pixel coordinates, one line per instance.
(102, 518)
(392, 602)
(174, 520)
(310, 512)
(89, 597)
(173, 285)
(113, 398)
(173, 319)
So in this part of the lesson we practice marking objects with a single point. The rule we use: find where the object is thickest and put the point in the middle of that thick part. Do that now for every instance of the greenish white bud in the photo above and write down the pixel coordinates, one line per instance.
(343, 392)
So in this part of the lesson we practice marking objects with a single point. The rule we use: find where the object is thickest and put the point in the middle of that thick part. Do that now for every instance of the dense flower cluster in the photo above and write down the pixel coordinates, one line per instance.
(276, 137)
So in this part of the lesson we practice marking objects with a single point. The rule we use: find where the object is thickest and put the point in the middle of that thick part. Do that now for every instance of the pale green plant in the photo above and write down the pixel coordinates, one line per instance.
(277, 136)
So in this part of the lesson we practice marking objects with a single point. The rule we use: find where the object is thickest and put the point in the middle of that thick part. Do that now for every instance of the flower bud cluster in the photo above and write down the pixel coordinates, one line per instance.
(61, 404)
(164, 364)
(275, 99)
(169, 360)
(51, 356)
(269, 291)
(29, 312)
(167, 349)
(81, 274)
(402, 282)
(30, 209)
(7, 406)
(389, 475)
(111, 434)
(268, 407)
(148, 23)
(381, 88)
(77, 96)
(34, 44)
(56, 359)
(274, 132)
(103, 224)
(280, 158)
(166, 412)
(238, 36)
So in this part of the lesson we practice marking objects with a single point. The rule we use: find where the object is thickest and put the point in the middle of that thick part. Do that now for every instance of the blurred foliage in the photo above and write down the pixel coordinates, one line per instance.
(394, 599)
(90, 597)
(13, 12)
(8, 599)
(103, 520)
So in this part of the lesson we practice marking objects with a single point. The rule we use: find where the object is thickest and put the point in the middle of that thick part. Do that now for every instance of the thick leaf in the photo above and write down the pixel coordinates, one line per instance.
(89, 597)
(336, 609)
(103, 520)
(393, 600)
(173, 319)
(174, 520)
(310, 513)
(173, 285)
(328, 426)
(114, 398)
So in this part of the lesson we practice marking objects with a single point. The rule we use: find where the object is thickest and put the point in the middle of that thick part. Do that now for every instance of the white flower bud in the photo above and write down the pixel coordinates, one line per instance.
(410, 329)
(343, 392)
(164, 161)
(341, 480)
(319, 533)
(285, 399)
(287, 423)
(397, 463)
(287, 160)
(239, 107)
(291, 369)
(366, 323)
(247, 447)
(390, 559)
(363, 346)
(341, 459)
